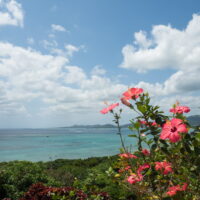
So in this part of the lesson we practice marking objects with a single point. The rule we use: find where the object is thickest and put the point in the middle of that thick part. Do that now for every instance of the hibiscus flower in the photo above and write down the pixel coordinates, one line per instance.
(148, 123)
(174, 189)
(143, 167)
(109, 108)
(127, 155)
(132, 93)
(180, 109)
(146, 152)
(171, 130)
(164, 166)
(134, 178)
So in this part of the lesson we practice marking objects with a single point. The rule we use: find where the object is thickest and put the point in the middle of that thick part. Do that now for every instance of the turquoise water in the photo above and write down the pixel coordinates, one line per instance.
(51, 144)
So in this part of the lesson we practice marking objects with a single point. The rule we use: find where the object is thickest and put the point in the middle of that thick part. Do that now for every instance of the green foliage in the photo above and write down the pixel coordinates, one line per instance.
(17, 176)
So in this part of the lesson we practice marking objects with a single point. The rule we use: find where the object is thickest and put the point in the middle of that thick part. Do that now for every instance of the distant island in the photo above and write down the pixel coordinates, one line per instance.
(91, 126)
(194, 120)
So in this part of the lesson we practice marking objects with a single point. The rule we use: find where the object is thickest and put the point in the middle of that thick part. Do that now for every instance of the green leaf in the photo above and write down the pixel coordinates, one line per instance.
(141, 108)
(165, 150)
(187, 147)
(135, 136)
(149, 142)
(153, 147)
(197, 136)
(137, 125)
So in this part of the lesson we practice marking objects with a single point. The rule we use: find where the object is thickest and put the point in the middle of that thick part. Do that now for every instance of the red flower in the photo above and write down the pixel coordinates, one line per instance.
(142, 122)
(127, 155)
(143, 167)
(132, 93)
(145, 152)
(184, 187)
(109, 108)
(124, 169)
(180, 109)
(134, 178)
(148, 123)
(164, 166)
(127, 168)
(171, 130)
(125, 102)
(174, 189)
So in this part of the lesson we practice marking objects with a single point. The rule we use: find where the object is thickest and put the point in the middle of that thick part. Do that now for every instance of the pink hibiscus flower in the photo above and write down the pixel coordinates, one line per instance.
(132, 93)
(134, 178)
(146, 152)
(143, 167)
(164, 166)
(109, 108)
(180, 109)
(174, 189)
(171, 130)
(124, 169)
(148, 123)
(127, 155)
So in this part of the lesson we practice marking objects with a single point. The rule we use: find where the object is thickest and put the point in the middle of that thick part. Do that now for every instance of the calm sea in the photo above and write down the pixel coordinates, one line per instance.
(51, 144)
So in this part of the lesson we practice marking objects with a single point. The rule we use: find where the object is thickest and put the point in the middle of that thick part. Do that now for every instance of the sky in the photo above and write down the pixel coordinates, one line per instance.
(60, 60)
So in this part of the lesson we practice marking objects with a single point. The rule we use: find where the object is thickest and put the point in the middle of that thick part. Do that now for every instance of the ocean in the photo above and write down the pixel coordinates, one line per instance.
(64, 143)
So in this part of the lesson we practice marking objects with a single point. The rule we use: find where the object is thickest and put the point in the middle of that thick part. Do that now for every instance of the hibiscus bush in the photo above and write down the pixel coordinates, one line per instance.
(166, 164)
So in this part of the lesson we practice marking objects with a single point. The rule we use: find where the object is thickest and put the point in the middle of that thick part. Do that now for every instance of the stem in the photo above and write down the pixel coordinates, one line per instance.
(119, 133)
(139, 141)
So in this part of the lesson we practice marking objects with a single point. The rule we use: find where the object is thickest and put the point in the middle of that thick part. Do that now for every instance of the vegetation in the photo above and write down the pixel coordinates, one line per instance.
(88, 176)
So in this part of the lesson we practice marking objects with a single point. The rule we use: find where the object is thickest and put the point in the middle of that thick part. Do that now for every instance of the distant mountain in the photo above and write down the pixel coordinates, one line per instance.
(194, 120)
(92, 126)
(99, 126)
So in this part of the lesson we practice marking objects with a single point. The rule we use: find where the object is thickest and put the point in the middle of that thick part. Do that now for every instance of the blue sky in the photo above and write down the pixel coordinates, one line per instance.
(60, 60)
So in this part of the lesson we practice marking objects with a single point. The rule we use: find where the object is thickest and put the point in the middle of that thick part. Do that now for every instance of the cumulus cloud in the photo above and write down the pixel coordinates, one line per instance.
(11, 13)
(27, 74)
(167, 47)
(57, 27)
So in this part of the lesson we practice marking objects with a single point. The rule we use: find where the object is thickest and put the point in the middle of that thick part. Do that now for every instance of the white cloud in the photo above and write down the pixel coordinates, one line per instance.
(71, 49)
(57, 27)
(167, 48)
(13, 14)
(74, 74)
(27, 75)
(98, 70)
